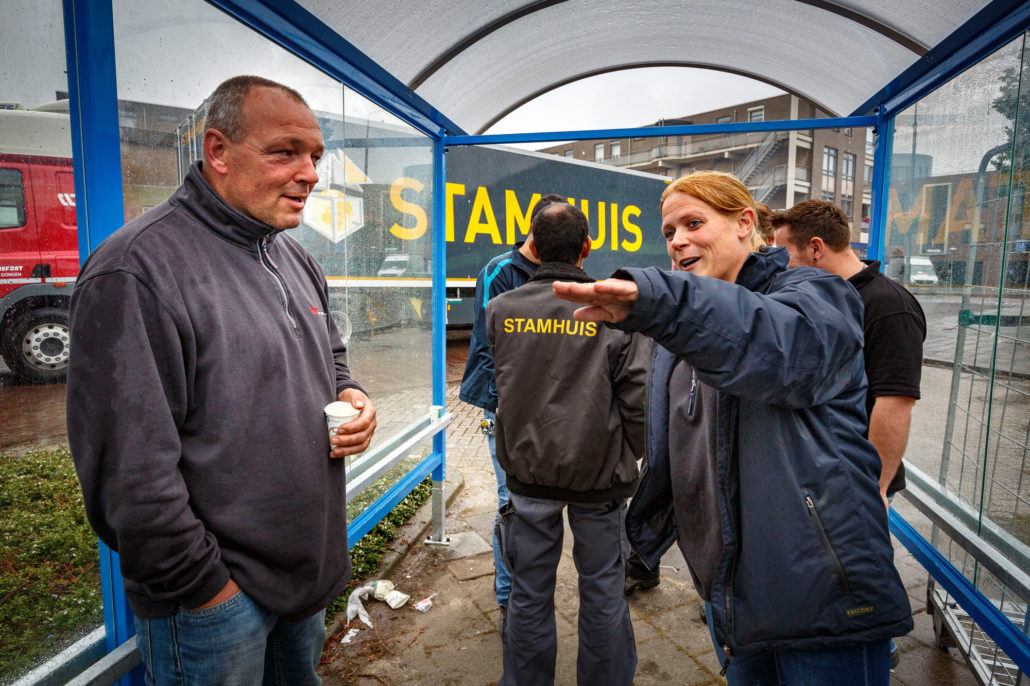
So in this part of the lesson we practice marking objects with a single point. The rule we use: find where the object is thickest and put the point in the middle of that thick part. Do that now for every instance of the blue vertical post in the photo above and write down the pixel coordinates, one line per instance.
(96, 154)
(439, 330)
(881, 184)
(93, 103)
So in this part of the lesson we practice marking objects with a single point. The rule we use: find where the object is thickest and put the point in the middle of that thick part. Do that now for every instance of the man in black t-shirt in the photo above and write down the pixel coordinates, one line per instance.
(816, 234)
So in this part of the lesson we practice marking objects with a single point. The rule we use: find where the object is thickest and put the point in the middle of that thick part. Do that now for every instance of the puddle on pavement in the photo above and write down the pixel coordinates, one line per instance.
(31, 414)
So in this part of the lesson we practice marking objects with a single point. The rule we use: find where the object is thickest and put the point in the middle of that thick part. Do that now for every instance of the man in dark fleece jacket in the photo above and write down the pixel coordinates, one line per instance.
(570, 427)
(204, 356)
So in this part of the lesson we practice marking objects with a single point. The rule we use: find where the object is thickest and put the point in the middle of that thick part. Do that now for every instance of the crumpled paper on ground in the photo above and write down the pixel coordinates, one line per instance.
(380, 590)
(354, 606)
(385, 590)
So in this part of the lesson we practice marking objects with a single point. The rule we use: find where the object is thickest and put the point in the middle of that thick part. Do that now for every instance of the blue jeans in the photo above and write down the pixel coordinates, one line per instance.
(502, 577)
(867, 664)
(235, 643)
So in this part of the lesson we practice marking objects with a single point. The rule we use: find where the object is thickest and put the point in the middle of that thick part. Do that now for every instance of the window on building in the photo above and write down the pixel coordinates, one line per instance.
(870, 143)
(568, 153)
(847, 185)
(12, 199)
(616, 149)
(847, 203)
(829, 161)
(868, 177)
(725, 119)
(756, 113)
(829, 190)
(599, 152)
(849, 167)
(847, 132)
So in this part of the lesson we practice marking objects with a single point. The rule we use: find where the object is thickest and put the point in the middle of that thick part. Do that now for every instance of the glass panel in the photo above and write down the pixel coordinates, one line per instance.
(49, 569)
(778, 167)
(957, 237)
(1007, 496)
(366, 222)
(491, 193)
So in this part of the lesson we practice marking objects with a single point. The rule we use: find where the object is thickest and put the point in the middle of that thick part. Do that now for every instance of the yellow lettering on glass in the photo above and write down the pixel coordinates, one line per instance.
(628, 212)
(482, 219)
(453, 189)
(515, 217)
(408, 208)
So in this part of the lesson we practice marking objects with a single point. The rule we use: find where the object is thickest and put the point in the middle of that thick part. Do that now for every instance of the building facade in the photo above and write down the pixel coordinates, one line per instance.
(781, 168)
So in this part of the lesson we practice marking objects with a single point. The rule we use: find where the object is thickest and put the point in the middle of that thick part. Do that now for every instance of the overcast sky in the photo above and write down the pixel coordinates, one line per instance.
(602, 102)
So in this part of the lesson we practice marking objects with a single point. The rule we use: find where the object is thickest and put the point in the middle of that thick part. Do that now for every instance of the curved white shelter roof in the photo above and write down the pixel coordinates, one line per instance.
(477, 61)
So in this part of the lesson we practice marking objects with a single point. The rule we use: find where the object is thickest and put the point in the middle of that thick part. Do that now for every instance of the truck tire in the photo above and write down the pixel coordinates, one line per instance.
(38, 347)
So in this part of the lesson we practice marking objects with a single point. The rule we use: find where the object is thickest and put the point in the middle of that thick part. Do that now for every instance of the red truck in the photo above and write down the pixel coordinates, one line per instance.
(39, 251)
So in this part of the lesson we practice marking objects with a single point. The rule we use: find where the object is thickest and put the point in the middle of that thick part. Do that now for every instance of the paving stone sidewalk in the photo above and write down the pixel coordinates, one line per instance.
(457, 640)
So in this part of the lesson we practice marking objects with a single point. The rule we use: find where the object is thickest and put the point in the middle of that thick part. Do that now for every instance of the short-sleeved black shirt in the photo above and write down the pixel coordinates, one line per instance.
(894, 329)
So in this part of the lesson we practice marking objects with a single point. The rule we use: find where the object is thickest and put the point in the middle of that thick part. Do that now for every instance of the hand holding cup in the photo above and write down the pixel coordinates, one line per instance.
(354, 416)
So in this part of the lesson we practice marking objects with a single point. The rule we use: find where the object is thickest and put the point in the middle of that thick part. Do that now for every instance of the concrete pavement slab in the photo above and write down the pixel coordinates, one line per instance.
(482, 524)
(465, 544)
(472, 567)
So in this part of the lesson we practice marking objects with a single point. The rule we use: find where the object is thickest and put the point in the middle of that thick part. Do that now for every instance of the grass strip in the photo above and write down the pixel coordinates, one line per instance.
(49, 569)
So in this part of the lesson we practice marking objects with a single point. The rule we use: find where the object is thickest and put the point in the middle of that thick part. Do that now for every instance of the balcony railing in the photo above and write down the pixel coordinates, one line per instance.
(695, 147)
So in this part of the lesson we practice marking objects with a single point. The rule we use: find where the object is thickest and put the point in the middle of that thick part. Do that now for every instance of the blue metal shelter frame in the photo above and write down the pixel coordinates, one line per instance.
(90, 49)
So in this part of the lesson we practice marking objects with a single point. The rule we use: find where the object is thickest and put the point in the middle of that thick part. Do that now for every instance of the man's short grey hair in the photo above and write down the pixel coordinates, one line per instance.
(225, 106)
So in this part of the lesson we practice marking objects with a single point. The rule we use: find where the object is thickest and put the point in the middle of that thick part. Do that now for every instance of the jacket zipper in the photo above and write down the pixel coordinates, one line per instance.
(728, 595)
(647, 406)
(845, 584)
(267, 263)
(693, 392)
(728, 581)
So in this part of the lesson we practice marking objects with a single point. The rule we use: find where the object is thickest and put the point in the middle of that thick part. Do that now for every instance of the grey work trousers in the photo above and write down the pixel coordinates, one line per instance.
(531, 537)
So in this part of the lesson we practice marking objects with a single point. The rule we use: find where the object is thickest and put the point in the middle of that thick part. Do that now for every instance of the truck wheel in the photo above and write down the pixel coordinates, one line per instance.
(37, 351)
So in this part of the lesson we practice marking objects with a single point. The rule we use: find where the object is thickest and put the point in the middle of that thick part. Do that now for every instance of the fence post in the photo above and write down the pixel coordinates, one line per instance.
(878, 229)
(436, 535)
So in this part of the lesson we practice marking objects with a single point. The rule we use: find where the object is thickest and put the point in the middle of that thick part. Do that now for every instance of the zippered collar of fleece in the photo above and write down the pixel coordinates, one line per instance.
(196, 197)
(560, 271)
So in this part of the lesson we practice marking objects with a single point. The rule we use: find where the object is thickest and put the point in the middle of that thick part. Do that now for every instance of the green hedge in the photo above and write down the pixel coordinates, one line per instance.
(49, 570)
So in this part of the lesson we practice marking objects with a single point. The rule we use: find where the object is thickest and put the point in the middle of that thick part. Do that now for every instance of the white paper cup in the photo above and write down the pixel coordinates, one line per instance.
(339, 412)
